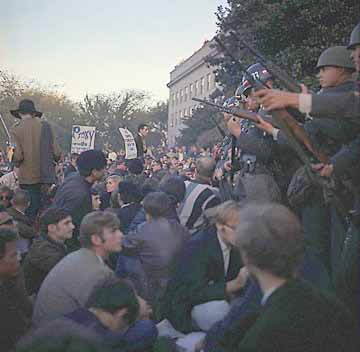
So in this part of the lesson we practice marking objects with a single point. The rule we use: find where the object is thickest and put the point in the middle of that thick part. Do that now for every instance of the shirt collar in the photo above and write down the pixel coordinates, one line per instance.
(100, 259)
(267, 295)
(224, 247)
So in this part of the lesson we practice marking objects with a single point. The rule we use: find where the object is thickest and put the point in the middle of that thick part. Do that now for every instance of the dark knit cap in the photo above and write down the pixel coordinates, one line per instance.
(91, 160)
(173, 186)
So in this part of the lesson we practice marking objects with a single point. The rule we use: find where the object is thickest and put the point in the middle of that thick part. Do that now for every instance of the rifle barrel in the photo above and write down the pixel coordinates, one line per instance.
(237, 112)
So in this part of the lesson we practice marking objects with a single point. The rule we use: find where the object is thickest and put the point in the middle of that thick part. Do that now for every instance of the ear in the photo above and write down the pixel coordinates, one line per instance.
(219, 227)
(51, 228)
(96, 240)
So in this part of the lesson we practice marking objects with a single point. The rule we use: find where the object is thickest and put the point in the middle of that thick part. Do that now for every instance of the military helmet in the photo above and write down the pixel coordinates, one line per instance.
(337, 56)
(230, 102)
(259, 72)
(355, 37)
(242, 90)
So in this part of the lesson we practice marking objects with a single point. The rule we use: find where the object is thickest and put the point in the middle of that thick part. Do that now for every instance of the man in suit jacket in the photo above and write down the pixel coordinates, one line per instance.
(143, 131)
(69, 284)
(295, 315)
(207, 275)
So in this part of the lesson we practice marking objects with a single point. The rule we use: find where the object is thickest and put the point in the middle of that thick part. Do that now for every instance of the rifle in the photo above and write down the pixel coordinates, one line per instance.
(297, 138)
(237, 112)
(292, 130)
(284, 78)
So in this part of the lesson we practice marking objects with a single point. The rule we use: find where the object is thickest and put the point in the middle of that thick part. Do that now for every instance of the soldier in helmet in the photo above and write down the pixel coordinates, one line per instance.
(346, 107)
(258, 151)
(335, 73)
(346, 104)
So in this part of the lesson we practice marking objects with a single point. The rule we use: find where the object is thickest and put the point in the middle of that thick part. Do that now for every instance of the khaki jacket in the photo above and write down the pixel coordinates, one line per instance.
(27, 135)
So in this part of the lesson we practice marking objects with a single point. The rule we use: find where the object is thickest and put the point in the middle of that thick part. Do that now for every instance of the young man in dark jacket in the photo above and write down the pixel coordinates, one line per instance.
(74, 195)
(15, 307)
(48, 249)
(295, 316)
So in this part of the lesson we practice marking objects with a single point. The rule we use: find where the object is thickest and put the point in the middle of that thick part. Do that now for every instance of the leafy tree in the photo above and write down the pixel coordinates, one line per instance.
(56, 107)
(291, 33)
(201, 121)
(110, 112)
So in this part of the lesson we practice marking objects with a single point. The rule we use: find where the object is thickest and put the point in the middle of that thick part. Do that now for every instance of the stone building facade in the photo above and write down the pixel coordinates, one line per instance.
(191, 78)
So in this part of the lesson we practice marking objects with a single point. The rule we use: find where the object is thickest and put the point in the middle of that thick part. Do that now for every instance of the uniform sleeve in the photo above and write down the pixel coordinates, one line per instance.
(346, 157)
(346, 105)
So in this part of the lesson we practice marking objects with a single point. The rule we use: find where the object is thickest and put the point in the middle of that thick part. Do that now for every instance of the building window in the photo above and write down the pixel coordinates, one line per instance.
(186, 93)
(177, 98)
(181, 95)
(191, 90)
(196, 88)
(173, 98)
(202, 85)
(208, 81)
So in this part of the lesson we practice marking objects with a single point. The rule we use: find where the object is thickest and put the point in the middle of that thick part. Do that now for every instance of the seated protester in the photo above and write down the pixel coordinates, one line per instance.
(15, 307)
(10, 180)
(69, 284)
(55, 228)
(61, 336)
(207, 276)
(295, 316)
(119, 316)
(74, 195)
(6, 195)
(24, 225)
(71, 168)
(200, 195)
(114, 316)
(6, 221)
(157, 243)
(112, 184)
(174, 187)
(135, 171)
(224, 335)
(129, 198)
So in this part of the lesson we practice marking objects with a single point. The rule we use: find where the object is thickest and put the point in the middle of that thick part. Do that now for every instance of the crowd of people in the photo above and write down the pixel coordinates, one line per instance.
(222, 249)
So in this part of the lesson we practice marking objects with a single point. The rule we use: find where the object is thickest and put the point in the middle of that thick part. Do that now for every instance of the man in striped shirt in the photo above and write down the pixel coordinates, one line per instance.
(200, 195)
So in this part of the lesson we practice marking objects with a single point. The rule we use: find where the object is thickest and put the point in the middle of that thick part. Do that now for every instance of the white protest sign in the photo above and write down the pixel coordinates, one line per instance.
(83, 138)
(130, 145)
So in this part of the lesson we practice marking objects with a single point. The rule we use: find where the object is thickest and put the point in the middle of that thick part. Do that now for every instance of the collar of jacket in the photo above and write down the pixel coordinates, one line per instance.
(46, 237)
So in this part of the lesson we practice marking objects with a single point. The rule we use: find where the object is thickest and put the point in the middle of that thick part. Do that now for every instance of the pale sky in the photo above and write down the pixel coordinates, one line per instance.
(93, 46)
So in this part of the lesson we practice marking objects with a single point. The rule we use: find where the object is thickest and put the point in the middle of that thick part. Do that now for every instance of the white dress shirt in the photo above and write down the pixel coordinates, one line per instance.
(226, 254)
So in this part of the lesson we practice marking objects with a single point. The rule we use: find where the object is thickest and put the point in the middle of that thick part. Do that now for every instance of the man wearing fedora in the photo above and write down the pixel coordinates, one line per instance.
(35, 153)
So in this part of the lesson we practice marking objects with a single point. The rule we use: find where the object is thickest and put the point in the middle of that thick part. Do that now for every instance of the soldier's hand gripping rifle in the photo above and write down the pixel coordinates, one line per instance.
(297, 138)
(290, 127)
(237, 112)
